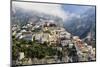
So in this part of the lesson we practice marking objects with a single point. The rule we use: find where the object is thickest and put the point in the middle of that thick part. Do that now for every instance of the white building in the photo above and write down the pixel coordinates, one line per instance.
(65, 42)
(65, 34)
(21, 55)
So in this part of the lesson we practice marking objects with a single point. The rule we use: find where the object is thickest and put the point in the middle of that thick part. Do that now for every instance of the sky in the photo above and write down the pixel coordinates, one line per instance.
(77, 9)
(63, 11)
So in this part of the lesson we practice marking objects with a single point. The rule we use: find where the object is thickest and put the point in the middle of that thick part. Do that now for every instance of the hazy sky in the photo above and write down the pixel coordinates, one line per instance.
(62, 11)
(77, 9)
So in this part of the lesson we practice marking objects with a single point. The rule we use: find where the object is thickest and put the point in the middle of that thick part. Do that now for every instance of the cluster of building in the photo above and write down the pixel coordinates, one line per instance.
(85, 52)
(56, 36)
(47, 32)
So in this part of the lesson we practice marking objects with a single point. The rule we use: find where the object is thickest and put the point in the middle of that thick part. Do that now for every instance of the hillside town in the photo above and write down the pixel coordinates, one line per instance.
(58, 45)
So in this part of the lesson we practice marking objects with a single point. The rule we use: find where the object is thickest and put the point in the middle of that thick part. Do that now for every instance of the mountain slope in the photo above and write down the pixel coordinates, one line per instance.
(83, 25)
(21, 16)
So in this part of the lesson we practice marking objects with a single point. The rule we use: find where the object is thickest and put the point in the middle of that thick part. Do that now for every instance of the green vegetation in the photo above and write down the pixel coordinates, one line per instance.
(47, 31)
(36, 30)
(31, 49)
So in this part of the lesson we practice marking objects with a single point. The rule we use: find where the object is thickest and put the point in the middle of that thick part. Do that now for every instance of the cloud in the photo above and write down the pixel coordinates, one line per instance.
(52, 9)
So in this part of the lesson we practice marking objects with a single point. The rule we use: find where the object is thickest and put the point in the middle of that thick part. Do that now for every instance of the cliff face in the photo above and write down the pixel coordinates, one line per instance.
(82, 26)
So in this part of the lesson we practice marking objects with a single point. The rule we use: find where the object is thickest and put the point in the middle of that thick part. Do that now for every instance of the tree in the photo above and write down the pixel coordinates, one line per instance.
(15, 52)
(72, 53)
